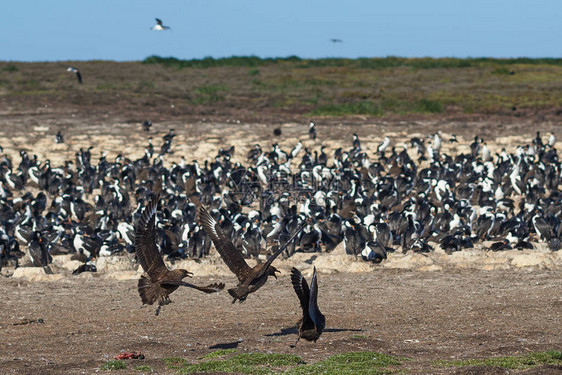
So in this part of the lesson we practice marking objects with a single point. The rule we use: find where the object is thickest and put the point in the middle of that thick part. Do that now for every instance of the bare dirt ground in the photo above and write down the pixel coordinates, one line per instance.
(449, 313)
(423, 316)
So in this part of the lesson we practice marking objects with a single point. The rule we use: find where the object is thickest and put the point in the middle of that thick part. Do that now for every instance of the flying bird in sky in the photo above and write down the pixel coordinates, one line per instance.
(250, 279)
(159, 26)
(72, 69)
(335, 40)
(312, 323)
(161, 281)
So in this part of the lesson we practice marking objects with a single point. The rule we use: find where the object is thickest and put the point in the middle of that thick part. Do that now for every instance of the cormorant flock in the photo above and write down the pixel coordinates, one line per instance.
(374, 204)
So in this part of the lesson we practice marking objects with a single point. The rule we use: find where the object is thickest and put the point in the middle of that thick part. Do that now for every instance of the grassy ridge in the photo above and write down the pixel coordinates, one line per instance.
(249, 86)
(342, 87)
(362, 63)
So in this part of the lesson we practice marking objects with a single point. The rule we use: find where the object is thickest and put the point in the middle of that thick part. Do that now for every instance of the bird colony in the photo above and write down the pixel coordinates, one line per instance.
(374, 204)
(407, 198)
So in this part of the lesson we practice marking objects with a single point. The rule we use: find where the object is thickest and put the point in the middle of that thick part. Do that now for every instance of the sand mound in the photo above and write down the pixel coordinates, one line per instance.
(123, 267)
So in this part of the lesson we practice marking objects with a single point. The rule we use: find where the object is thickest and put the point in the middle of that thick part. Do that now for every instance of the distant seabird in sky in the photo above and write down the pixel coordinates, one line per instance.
(159, 26)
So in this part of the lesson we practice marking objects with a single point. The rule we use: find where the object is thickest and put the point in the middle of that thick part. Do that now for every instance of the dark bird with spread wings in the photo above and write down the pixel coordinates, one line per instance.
(249, 279)
(160, 281)
(312, 323)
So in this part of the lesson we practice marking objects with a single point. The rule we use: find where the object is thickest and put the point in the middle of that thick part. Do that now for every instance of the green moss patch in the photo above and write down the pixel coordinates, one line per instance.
(261, 363)
(361, 363)
(114, 365)
(246, 363)
(219, 353)
(551, 357)
(143, 368)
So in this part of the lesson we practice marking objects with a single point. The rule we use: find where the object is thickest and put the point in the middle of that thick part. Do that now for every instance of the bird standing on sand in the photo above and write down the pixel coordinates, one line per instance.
(170, 136)
(160, 281)
(72, 69)
(551, 140)
(436, 142)
(312, 323)
(159, 26)
(146, 125)
(250, 279)
(312, 130)
(39, 253)
(59, 138)
(383, 145)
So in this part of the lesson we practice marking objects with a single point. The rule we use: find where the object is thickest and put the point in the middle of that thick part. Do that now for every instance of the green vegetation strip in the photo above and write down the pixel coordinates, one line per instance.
(114, 365)
(360, 363)
(551, 357)
(353, 108)
(362, 63)
(143, 368)
(261, 363)
(374, 87)
(219, 353)
(175, 363)
(247, 363)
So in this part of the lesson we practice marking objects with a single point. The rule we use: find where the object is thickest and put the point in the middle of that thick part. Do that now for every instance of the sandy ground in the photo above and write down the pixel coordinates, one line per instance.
(423, 316)
(34, 132)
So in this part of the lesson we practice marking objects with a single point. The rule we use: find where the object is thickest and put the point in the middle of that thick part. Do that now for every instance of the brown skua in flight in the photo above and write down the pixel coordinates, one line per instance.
(160, 281)
(250, 279)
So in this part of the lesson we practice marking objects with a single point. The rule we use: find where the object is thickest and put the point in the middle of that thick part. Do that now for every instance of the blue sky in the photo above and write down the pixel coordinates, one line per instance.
(120, 29)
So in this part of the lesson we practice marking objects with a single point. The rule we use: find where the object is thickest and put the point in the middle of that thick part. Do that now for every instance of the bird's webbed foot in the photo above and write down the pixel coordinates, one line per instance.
(296, 342)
